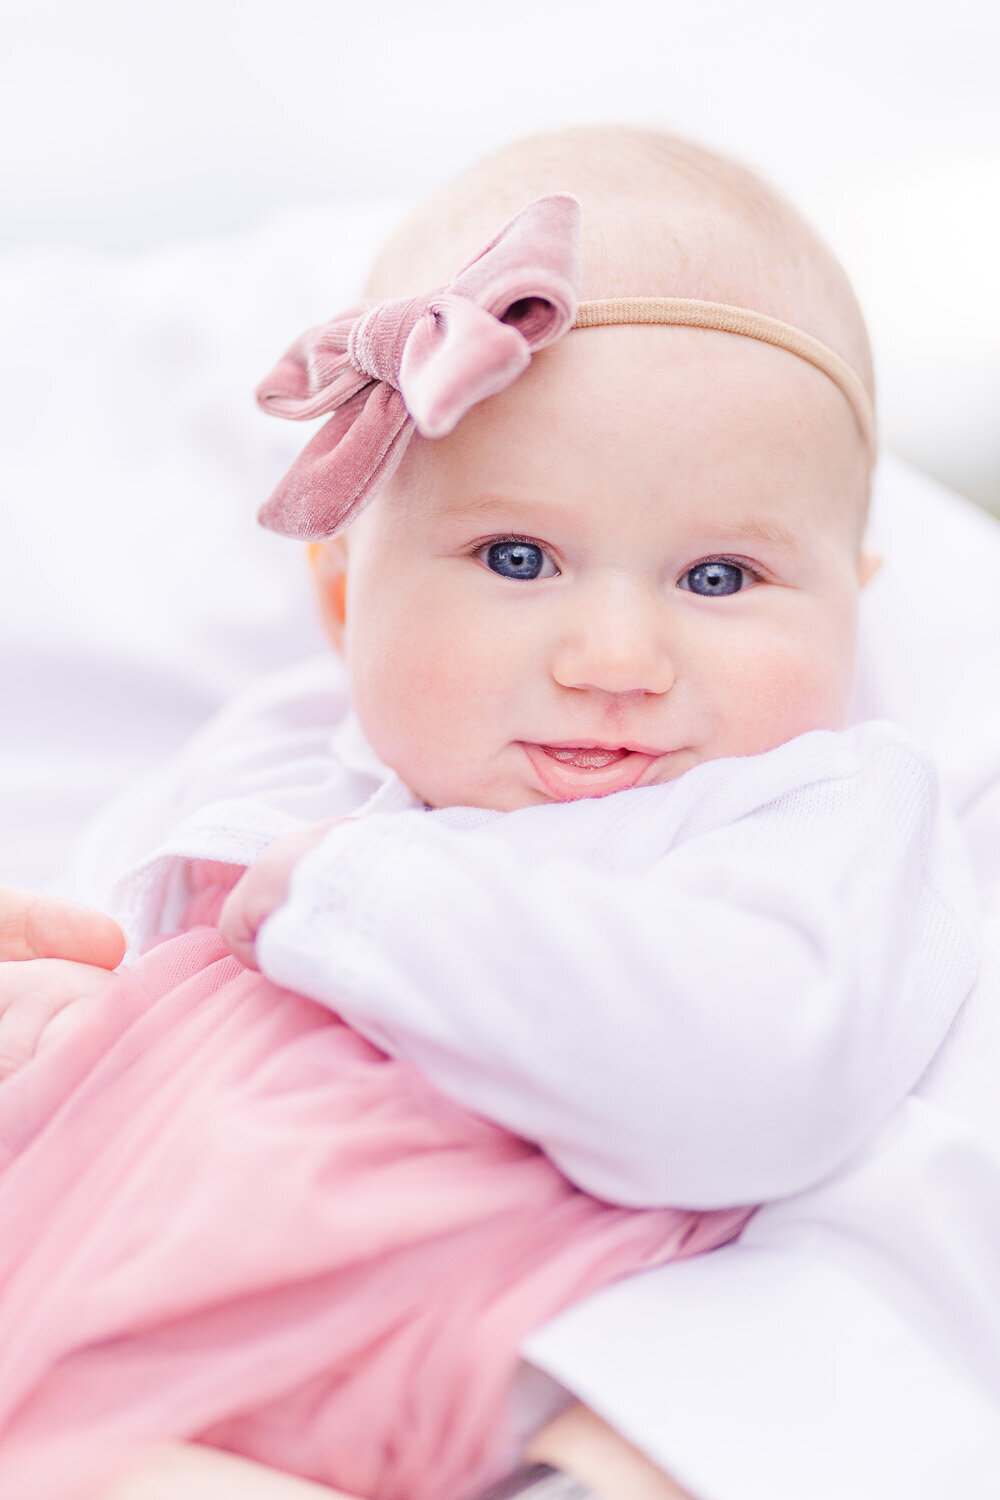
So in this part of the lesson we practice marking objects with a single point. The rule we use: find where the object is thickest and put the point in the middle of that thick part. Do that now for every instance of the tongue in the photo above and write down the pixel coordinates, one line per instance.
(587, 760)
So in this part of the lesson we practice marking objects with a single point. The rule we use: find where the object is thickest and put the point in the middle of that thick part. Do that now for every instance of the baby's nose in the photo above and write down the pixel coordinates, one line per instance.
(621, 647)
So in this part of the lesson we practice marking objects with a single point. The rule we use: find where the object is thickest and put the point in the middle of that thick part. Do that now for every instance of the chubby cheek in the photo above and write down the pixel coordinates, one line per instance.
(429, 694)
(783, 689)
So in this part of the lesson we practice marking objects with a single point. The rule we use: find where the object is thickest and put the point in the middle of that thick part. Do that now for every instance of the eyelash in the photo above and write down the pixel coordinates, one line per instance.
(734, 562)
(511, 536)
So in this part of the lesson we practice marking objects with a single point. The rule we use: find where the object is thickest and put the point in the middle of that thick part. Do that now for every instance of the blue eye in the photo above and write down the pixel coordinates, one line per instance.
(518, 560)
(711, 579)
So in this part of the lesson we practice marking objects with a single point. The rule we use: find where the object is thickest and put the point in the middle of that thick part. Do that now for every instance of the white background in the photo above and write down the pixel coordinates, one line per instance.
(134, 124)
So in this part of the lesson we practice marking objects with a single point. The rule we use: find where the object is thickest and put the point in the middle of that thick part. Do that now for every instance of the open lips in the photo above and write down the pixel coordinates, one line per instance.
(567, 771)
(587, 759)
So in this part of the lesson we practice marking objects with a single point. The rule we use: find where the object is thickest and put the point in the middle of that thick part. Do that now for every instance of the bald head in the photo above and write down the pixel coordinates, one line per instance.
(661, 218)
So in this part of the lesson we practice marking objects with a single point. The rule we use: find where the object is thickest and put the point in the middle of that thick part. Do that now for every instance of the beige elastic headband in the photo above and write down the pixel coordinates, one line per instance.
(690, 313)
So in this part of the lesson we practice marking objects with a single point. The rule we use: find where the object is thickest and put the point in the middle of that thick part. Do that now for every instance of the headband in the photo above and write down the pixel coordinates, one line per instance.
(387, 369)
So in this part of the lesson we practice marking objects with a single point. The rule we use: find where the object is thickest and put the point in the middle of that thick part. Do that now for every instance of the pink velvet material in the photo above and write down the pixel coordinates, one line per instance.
(227, 1217)
(418, 363)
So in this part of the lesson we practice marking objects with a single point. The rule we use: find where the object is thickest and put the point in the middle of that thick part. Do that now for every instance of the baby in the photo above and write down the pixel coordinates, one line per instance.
(625, 583)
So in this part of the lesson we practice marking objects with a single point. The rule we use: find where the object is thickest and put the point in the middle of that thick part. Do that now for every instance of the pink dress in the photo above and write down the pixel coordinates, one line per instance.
(225, 1216)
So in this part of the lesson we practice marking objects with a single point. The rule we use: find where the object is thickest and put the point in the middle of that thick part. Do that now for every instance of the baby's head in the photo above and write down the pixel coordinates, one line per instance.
(646, 551)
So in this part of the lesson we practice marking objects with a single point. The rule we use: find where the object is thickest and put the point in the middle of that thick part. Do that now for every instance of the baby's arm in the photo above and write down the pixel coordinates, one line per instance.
(53, 954)
(703, 993)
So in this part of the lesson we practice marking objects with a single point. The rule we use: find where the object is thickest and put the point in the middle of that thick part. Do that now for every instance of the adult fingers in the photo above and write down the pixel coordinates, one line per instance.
(36, 926)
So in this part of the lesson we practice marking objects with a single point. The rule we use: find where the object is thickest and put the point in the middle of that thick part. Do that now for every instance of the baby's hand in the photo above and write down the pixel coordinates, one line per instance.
(264, 888)
(53, 954)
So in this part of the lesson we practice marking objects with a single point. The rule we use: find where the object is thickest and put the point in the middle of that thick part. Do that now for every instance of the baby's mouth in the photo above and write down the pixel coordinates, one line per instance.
(565, 772)
(584, 757)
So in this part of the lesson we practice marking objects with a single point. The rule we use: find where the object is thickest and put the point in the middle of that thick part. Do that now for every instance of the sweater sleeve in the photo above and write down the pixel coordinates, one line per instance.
(703, 993)
(848, 1344)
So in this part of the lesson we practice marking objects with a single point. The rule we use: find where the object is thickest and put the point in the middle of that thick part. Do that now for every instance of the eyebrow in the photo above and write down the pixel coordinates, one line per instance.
(773, 532)
(474, 507)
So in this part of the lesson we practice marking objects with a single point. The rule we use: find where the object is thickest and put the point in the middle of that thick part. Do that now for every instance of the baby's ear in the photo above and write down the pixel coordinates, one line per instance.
(868, 565)
(328, 561)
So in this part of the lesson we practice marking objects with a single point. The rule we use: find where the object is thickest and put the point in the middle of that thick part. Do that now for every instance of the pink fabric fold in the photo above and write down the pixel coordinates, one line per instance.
(418, 363)
(227, 1217)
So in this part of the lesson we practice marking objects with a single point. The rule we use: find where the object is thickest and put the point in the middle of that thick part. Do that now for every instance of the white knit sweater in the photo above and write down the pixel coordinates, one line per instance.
(703, 993)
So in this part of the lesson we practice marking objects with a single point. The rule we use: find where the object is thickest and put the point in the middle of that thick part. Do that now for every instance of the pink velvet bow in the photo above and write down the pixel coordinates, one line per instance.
(418, 362)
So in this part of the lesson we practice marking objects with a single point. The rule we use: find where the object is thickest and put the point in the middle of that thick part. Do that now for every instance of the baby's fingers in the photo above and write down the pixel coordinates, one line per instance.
(264, 888)
(32, 994)
(34, 926)
(247, 907)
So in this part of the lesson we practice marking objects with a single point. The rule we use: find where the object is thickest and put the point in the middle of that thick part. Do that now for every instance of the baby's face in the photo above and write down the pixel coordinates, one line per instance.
(641, 556)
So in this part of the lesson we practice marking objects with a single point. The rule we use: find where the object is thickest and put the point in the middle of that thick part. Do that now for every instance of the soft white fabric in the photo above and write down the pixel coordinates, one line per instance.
(929, 646)
(848, 1346)
(283, 754)
(703, 993)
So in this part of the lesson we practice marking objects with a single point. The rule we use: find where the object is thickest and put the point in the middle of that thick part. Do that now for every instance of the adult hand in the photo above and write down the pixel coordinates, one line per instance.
(264, 888)
(55, 958)
(581, 1443)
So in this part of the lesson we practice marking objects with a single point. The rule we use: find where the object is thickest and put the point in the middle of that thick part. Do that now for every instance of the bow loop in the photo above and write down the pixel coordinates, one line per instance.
(457, 355)
(418, 362)
(529, 275)
(315, 375)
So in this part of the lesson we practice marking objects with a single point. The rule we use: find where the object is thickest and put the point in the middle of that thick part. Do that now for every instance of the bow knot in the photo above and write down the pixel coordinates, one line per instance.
(418, 363)
(378, 336)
